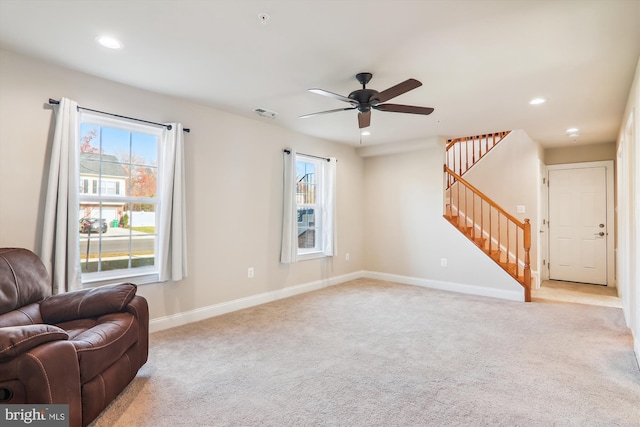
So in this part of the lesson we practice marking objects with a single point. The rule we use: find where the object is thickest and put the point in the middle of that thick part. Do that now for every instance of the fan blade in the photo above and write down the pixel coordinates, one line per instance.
(397, 108)
(397, 90)
(364, 119)
(334, 96)
(326, 112)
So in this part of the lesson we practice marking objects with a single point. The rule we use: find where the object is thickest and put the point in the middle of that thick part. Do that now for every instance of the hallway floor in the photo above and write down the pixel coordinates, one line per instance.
(552, 291)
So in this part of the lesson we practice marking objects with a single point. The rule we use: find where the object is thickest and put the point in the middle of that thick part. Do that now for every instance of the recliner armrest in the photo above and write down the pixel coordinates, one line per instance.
(16, 340)
(87, 303)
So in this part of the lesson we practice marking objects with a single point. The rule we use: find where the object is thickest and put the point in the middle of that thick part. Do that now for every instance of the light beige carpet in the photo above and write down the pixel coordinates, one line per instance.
(369, 353)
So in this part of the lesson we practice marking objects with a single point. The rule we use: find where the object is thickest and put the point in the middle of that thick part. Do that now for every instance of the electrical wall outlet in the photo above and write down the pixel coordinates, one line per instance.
(443, 262)
(347, 256)
(250, 272)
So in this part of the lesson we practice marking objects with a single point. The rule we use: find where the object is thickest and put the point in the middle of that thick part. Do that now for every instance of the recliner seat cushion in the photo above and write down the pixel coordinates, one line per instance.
(27, 315)
(101, 341)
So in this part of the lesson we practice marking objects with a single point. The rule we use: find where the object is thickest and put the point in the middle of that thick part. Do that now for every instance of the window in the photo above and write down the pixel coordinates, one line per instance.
(118, 204)
(309, 207)
(309, 204)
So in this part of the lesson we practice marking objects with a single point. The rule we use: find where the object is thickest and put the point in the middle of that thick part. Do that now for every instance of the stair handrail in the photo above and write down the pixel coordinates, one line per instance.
(524, 226)
(462, 164)
(452, 142)
(484, 197)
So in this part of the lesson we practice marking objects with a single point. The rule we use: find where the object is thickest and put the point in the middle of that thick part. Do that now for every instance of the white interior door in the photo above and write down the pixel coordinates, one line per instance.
(578, 225)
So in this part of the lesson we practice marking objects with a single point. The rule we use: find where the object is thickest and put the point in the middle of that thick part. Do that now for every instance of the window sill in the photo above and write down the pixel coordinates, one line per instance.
(137, 279)
(311, 255)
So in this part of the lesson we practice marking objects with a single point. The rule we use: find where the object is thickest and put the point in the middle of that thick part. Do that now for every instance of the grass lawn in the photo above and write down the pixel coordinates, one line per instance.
(150, 230)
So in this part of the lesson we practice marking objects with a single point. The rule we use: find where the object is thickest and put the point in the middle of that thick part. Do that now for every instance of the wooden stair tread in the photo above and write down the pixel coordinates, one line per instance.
(480, 241)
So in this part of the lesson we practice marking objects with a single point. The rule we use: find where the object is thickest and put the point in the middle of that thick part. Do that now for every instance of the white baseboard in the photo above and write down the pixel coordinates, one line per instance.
(202, 313)
(535, 279)
(448, 286)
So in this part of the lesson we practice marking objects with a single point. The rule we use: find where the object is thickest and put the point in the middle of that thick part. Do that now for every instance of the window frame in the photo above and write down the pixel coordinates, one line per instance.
(319, 206)
(143, 274)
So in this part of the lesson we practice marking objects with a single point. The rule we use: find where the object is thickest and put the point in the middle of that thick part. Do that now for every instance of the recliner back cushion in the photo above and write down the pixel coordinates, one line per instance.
(23, 279)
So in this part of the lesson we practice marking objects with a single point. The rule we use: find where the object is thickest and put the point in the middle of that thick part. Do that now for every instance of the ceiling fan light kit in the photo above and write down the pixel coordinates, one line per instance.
(365, 99)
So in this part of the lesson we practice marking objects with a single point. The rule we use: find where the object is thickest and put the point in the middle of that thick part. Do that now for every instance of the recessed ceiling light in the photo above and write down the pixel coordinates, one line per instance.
(109, 42)
(572, 130)
(365, 133)
(266, 113)
(537, 101)
(574, 135)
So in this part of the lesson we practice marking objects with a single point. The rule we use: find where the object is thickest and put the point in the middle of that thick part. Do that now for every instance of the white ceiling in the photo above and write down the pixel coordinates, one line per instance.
(480, 61)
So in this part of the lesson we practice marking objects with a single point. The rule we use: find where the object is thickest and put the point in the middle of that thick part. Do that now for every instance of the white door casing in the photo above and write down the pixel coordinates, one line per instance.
(543, 241)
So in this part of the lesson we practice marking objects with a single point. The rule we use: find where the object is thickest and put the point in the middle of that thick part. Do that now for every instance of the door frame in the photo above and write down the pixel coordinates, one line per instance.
(543, 233)
(610, 209)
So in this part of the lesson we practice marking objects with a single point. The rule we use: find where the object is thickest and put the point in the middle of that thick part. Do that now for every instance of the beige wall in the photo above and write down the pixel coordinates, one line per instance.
(234, 184)
(580, 153)
(407, 234)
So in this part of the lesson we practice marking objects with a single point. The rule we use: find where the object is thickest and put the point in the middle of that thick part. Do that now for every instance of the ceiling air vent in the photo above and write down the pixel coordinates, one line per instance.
(266, 113)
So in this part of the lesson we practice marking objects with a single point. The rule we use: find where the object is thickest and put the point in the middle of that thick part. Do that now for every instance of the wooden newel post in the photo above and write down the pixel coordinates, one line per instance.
(527, 260)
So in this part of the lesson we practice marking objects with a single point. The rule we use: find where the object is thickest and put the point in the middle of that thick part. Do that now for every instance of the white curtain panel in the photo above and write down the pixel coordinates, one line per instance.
(60, 251)
(289, 248)
(329, 240)
(173, 219)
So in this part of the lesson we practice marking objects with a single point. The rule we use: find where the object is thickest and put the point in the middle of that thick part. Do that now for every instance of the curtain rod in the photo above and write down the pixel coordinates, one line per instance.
(309, 155)
(55, 102)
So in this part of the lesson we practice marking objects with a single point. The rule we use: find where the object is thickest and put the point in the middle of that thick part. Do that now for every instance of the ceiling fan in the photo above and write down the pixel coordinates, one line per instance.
(365, 99)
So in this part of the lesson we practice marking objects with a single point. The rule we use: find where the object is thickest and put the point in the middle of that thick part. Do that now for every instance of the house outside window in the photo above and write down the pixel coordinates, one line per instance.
(118, 203)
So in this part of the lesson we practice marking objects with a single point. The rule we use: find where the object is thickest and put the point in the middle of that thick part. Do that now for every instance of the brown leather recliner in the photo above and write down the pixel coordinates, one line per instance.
(79, 348)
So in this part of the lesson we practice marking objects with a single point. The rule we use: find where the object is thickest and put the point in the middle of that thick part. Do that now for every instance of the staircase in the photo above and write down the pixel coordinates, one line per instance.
(464, 152)
(501, 236)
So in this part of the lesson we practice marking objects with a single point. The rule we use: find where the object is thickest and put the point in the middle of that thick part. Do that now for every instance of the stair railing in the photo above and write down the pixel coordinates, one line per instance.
(503, 237)
(462, 153)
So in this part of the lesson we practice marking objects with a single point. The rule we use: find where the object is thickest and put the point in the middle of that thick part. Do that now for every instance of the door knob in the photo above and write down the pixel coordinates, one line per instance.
(599, 234)
(601, 225)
